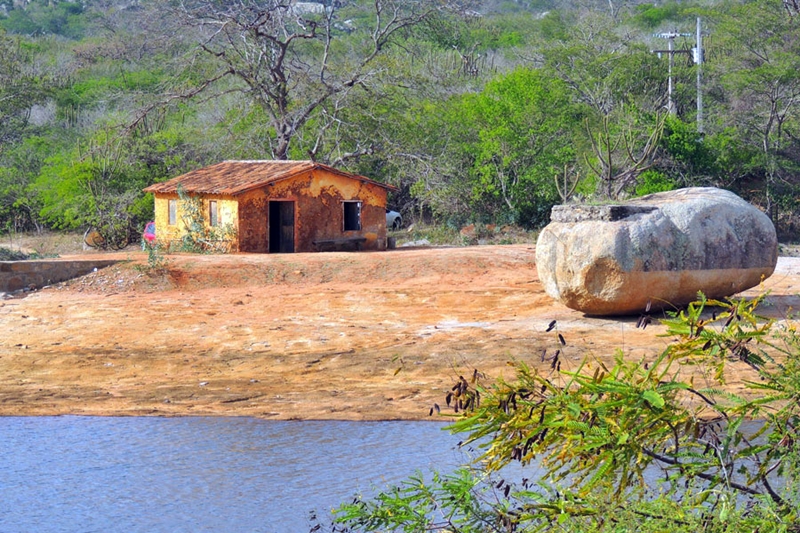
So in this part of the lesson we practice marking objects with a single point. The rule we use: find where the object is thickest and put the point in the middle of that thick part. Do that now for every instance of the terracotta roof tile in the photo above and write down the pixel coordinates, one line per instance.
(236, 177)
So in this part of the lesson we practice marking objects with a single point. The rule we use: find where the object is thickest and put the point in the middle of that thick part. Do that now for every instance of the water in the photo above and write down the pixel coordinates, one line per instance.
(85, 474)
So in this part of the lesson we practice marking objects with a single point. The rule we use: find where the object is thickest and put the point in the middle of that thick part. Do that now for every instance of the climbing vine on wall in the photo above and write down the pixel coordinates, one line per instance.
(200, 237)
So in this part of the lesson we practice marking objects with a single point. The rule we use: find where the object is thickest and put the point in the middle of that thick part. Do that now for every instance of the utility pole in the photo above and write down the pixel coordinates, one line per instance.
(697, 57)
(671, 36)
(698, 60)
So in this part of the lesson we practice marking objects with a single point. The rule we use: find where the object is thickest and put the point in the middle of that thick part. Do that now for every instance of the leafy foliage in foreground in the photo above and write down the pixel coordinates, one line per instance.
(657, 446)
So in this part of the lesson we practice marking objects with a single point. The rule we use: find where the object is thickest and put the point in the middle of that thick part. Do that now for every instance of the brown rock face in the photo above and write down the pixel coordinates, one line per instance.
(662, 248)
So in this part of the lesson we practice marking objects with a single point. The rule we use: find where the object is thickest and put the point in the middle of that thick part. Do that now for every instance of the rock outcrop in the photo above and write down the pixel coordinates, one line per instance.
(662, 248)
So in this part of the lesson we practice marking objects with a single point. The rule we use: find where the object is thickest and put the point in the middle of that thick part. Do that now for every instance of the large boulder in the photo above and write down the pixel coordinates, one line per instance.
(662, 248)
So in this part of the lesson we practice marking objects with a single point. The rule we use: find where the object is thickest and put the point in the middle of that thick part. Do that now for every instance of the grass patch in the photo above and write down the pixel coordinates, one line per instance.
(471, 235)
(7, 254)
(45, 244)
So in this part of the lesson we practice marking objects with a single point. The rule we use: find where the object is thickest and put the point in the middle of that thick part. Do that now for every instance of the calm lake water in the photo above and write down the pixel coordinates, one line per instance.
(86, 474)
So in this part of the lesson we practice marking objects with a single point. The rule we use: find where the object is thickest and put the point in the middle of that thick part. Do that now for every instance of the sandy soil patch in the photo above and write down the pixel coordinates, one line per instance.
(302, 336)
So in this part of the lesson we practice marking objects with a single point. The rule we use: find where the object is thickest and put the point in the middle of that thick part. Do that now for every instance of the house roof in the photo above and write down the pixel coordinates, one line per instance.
(237, 177)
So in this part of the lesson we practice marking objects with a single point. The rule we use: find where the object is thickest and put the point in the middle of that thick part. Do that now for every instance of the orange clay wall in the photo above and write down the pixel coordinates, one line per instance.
(319, 213)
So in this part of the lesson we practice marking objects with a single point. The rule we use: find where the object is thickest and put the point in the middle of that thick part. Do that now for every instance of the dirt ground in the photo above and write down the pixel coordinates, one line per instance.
(358, 336)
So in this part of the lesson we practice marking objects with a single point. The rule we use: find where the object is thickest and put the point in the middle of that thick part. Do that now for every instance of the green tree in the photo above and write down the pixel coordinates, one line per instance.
(87, 189)
(295, 65)
(22, 87)
(100, 184)
(486, 157)
(621, 83)
(41, 18)
(604, 67)
(688, 150)
(524, 124)
(20, 205)
(759, 76)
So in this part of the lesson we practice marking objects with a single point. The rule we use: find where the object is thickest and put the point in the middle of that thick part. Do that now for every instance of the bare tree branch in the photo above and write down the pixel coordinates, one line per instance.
(284, 60)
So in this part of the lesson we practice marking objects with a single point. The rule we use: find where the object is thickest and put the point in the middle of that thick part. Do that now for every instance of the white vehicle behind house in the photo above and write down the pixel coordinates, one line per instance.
(393, 220)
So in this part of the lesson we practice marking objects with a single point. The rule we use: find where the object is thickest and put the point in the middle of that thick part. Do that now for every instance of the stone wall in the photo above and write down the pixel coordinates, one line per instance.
(16, 275)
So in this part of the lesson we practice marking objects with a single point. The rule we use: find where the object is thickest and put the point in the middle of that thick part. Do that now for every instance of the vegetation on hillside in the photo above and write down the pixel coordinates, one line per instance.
(479, 112)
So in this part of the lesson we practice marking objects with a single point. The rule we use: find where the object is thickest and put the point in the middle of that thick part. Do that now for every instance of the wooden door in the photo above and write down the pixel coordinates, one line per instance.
(281, 227)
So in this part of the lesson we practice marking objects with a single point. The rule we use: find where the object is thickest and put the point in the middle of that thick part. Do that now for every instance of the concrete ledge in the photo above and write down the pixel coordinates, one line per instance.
(606, 213)
(16, 275)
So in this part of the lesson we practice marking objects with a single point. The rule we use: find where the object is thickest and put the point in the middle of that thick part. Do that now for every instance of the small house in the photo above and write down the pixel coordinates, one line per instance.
(274, 206)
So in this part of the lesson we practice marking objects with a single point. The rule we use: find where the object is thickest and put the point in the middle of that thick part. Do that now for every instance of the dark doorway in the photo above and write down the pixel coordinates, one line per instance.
(352, 216)
(281, 227)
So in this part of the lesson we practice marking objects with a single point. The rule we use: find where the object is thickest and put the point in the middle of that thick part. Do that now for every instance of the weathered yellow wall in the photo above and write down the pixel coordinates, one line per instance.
(227, 213)
(164, 232)
(227, 210)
